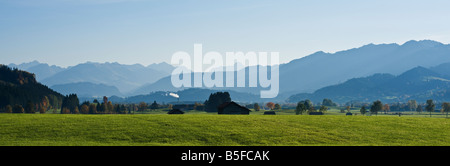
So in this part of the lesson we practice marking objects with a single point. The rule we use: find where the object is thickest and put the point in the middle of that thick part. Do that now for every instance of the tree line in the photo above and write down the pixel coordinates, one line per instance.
(71, 105)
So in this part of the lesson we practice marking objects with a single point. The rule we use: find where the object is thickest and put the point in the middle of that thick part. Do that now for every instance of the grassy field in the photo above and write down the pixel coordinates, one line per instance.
(220, 130)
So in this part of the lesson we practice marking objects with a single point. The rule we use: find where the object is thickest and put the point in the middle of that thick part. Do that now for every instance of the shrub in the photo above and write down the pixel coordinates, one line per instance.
(8, 109)
(65, 110)
(18, 109)
(84, 109)
(42, 110)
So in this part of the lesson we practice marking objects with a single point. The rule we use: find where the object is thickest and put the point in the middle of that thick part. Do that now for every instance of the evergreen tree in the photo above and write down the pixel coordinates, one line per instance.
(376, 107)
(216, 99)
(363, 110)
(308, 104)
(8, 109)
(256, 107)
(71, 103)
(18, 109)
(328, 102)
(92, 108)
(300, 108)
(123, 109)
(430, 106)
(154, 105)
(29, 108)
(419, 109)
(20, 87)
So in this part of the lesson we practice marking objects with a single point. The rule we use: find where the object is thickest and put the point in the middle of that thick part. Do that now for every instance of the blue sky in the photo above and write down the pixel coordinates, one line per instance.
(68, 32)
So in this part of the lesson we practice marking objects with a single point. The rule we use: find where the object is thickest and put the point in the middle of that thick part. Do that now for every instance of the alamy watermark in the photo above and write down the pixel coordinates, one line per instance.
(258, 64)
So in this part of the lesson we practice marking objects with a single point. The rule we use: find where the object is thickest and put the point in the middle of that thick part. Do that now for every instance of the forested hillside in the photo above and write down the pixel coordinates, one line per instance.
(19, 87)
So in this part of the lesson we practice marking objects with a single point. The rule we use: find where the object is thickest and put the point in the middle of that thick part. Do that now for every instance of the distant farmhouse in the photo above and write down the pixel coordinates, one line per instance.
(187, 107)
(232, 108)
(316, 113)
(175, 111)
(269, 113)
(184, 107)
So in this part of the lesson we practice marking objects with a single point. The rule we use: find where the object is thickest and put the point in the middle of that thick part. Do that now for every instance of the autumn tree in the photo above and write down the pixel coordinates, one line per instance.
(65, 110)
(386, 108)
(75, 110)
(412, 104)
(8, 109)
(45, 104)
(109, 107)
(142, 106)
(84, 109)
(42, 110)
(270, 105)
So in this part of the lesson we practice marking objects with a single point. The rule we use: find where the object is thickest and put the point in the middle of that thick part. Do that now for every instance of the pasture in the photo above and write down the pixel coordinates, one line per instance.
(204, 129)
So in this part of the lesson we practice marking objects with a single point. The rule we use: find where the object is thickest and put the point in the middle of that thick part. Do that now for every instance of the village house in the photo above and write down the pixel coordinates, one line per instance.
(175, 111)
(184, 107)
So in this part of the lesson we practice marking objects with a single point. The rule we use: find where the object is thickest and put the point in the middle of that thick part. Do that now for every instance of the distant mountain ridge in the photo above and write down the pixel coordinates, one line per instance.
(303, 75)
(187, 95)
(87, 89)
(322, 69)
(41, 70)
(123, 77)
(418, 83)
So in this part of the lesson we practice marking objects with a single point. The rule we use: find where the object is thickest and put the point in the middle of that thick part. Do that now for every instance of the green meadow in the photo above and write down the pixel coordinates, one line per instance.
(198, 129)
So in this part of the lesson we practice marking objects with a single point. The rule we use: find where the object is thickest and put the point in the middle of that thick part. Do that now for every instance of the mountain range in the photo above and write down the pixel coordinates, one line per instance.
(307, 75)
(418, 83)
(310, 73)
(75, 79)
(41, 70)
(87, 89)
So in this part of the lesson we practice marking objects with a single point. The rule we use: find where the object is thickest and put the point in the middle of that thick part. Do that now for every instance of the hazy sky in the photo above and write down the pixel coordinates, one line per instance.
(68, 32)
